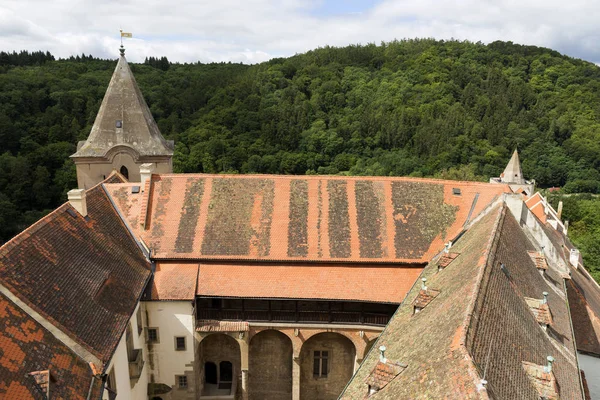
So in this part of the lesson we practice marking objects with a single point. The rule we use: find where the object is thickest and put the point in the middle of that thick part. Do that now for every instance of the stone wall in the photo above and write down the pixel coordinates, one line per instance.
(341, 366)
(270, 369)
(219, 347)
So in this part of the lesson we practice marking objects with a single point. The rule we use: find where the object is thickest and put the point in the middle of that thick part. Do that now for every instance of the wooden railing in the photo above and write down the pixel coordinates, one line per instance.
(333, 317)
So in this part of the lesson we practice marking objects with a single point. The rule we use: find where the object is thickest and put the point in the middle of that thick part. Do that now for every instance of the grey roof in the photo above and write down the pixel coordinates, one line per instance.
(513, 173)
(124, 102)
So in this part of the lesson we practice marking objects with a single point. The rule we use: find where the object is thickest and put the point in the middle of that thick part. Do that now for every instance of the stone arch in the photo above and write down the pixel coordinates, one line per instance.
(122, 149)
(326, 365)
(218, 349)
(270, 369)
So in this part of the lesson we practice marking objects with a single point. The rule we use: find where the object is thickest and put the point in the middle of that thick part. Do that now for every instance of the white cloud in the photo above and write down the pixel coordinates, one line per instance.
(256, 30)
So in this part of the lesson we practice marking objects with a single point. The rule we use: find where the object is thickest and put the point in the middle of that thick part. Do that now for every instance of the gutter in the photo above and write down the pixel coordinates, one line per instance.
(574, 340)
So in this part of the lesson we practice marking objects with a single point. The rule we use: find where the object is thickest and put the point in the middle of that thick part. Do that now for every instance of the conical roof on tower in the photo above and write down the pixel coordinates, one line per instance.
(513, 173)
(124, 120)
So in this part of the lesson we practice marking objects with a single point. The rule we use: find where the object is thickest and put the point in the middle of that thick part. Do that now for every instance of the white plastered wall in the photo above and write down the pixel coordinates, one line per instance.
(126, 388)
(591, 366)
(172, 318)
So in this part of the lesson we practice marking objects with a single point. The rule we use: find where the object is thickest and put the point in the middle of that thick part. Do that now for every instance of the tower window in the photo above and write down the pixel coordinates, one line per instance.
(119, 123)
(125, 172)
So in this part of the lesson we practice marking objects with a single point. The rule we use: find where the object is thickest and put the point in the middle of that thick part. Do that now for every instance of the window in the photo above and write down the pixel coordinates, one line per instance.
(181, 381)
(138, 318)
(124, 172)
(111, 384)
(152, 335)
(119, 124)
(321, 364)
(180, 343)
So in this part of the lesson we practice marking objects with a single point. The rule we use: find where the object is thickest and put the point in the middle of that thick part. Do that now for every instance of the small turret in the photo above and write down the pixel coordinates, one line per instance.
(513, 177)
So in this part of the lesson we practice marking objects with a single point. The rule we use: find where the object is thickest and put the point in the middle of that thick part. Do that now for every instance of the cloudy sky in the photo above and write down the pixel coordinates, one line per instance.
(252, 31)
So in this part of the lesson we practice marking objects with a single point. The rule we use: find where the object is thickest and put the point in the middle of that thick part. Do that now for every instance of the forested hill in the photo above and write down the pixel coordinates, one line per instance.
(416, 107)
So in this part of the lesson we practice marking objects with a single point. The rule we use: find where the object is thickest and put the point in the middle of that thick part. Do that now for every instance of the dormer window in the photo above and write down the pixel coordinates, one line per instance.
(540, 261)
(425, 296)
(540, 310)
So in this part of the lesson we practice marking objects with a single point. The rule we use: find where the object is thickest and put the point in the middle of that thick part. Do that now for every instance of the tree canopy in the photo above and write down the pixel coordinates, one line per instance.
(418, 107)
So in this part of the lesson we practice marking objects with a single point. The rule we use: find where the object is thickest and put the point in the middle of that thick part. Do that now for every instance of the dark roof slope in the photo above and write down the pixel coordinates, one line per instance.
(430, 342)
(84, 275)
(478, 322)
(26, 347)
(318, 218)
(504, 332)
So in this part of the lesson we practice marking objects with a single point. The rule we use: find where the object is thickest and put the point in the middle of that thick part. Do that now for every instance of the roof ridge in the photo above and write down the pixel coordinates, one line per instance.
(489, 250)
(332, 177)
(31, 229)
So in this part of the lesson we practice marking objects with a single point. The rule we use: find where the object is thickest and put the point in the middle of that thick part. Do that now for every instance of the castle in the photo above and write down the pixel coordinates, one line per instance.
(153, 285)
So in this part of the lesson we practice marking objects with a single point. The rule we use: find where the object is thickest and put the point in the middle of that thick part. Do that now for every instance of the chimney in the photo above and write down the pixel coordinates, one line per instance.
(548, 367)
(382, 354)
(545, 300)
(77, 200)
(559, 211)
(146, 171)
(574, 258)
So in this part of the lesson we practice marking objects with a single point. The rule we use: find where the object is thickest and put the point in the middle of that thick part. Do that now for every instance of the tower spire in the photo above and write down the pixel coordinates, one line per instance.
(513, 173)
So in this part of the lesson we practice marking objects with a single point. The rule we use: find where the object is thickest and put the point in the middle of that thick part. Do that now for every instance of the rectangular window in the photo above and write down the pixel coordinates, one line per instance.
(321, 364)
(180, 343)
(138, 318)
(181, 381)
(111, 384)
(152, 335)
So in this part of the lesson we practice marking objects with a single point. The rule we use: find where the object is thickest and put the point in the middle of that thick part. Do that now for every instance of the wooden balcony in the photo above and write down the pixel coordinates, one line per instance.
(296, 312)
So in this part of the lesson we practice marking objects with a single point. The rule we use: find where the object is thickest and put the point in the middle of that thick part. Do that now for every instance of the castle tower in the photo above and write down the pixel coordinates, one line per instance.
(124, 135)
(513, 176)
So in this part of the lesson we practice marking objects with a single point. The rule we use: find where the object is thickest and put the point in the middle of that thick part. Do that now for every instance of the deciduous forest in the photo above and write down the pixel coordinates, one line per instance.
(447, 109)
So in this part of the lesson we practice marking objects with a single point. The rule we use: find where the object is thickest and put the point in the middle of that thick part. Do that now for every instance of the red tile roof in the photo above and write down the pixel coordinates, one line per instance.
(339, 282)
(221, 326)
(302, 218)
(84, 275)
(32, 361)
(174, 282)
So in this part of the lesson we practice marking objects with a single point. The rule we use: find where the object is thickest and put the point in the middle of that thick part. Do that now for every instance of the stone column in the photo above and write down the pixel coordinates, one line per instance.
(243, 340)
(296, 377)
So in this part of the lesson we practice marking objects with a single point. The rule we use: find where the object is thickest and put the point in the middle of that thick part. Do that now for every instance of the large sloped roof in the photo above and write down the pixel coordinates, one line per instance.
(387, 283)
(124, 102)
(84, 275)
(26, 347)
(478, 322)
(301, 218)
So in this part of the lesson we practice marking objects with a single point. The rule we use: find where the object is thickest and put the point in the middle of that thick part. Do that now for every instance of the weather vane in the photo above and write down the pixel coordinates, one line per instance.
(124, 35)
